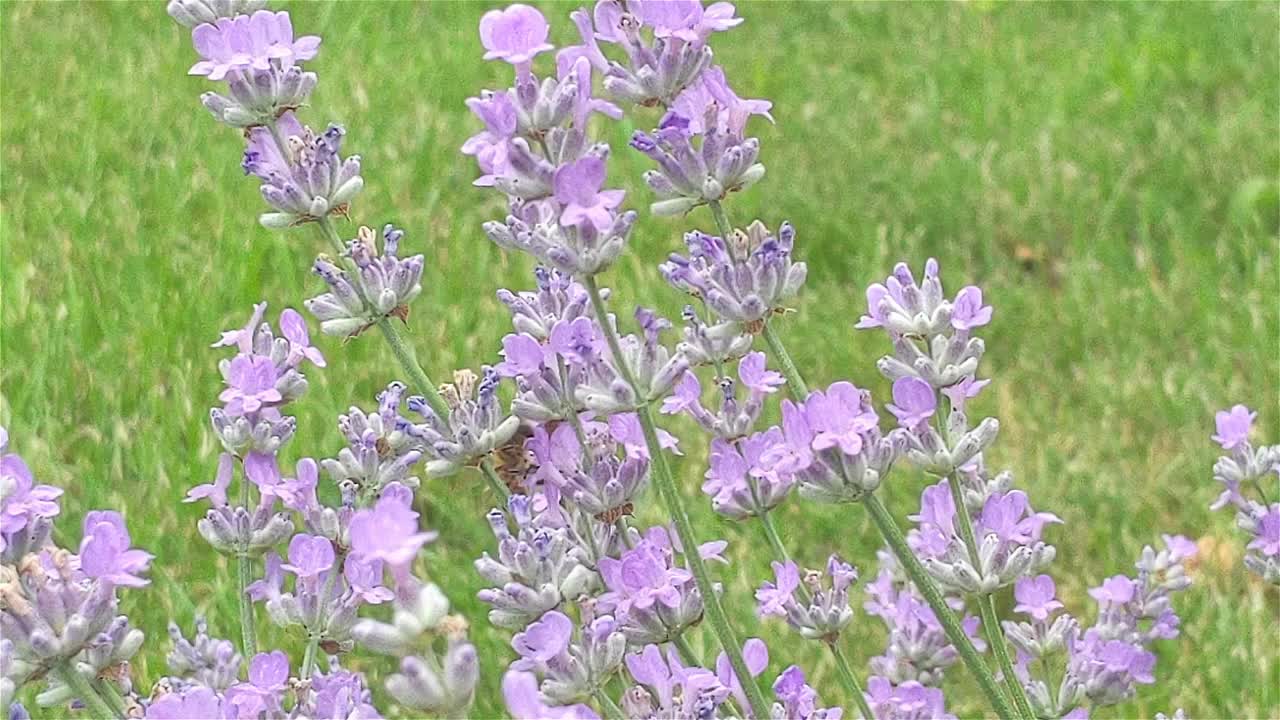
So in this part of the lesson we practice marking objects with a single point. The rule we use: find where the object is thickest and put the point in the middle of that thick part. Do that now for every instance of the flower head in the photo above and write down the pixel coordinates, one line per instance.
(1233, 426)
(105, 553)
(258, 41)
(515, 35)
(1035, 597)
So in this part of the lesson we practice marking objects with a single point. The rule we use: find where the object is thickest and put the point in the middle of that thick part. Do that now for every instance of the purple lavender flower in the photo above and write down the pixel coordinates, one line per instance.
(657, 69)
(490, 146)
(578, 189)
(381, 449)
(1036, 597)
(25, 507)
(797, 700)
(825, 613)
(515, 35)
(389, 530)
(382, 285)
(651, 597)
(919, 321)
(474, 427)
(308, 179)
(1234, 426)
(740, 482)
(745, 278)
(774, 597)
(679, 691)
(265, 689)
(256, 41)
(691, 173)
(833, 445)
(196, 703)
(337, 694)
(1008, 533)
(914, 401)
(1244, 472)
(105, 554)
(205, 660)
(252, 384)
(520, 694)
(917, 649)
(534, 570)
(906, 701)
(558, 299)
(571, 669)
(447, 691)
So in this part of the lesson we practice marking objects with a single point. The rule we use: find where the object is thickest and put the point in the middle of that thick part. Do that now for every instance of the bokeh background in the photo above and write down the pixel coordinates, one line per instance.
(1106, 172)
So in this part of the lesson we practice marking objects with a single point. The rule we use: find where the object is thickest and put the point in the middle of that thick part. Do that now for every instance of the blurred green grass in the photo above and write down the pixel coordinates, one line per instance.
(1106, 172)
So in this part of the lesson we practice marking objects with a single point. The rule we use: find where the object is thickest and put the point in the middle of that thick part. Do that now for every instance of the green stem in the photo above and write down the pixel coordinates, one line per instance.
(995, 638)
(990, 623)
(660, 473)
(248, 638)
(950, 625)
(498, 487)
(850, 681)
(84, 690)
(686, 650)
(722, 222)
(795, 382)
(608, 707)
(107, 689)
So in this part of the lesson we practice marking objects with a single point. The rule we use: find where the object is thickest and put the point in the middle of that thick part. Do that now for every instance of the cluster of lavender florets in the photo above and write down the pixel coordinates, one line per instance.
(600, 608)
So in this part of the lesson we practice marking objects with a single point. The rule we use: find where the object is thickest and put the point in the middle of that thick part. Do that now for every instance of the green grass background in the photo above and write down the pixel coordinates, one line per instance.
(1106, 172)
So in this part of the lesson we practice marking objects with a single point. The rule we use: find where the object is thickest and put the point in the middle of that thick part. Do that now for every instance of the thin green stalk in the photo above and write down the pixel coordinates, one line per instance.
(85, 691)
(995, 638)
(722, 222)
(686, 650)
(850, 681)
(950, 625)
(608, 707)
(498, 487)
(660, 473)
(795, 382)
(248, 638)
(990, 623)
(107, 690)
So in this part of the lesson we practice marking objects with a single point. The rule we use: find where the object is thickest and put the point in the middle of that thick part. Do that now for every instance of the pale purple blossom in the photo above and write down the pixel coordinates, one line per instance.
(1234, 426)
(1036, 597)
(294, 329)
(389, 530)
(215, 492)
(309, 555)
(578, 187)
(516, 34)
(105, 553)
(914, 401)
(967, 310)
(258, 41)
(524, 701)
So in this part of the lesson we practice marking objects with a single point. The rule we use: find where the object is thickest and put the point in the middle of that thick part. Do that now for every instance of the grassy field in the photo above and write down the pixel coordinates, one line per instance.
(1106, 172)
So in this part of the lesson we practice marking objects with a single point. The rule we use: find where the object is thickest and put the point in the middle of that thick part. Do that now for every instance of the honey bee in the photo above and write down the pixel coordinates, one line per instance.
(512, 462)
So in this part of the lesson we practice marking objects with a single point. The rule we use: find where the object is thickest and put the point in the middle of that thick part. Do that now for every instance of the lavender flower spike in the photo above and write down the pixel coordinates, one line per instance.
(383, 284)
(744, 278)
(826, 613)
(1248, 477)
(307, 179)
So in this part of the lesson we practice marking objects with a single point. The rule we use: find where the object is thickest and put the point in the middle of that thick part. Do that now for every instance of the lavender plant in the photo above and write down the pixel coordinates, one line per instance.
(602, 609)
